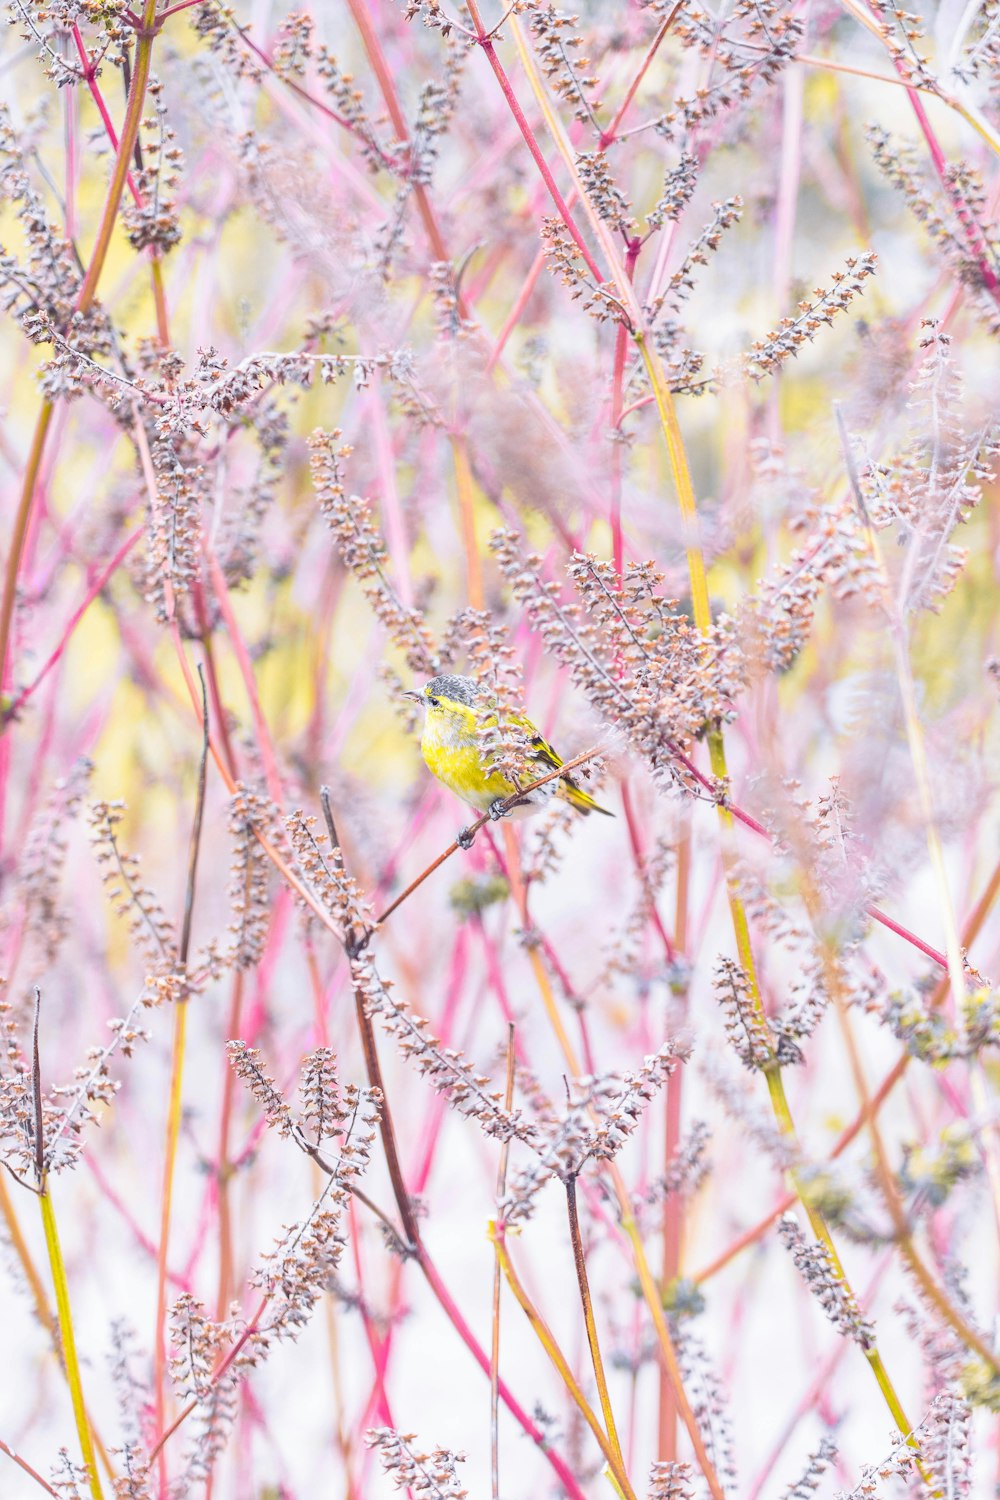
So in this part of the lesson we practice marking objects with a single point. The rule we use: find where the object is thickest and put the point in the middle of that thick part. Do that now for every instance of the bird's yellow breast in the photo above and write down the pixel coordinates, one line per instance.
(451, 749)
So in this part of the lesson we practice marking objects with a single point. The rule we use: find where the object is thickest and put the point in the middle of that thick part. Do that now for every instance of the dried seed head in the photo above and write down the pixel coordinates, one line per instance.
(826, 1283)
(433, 1474)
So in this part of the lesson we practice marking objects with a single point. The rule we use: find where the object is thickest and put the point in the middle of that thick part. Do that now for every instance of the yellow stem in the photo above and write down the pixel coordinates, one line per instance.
(700, 606)
(43, 1311)
(508, 1104)
(67, 1340)
(981, 126)
(20, 1246)
(888, 1187)
(555, 1354)
(887, 1181)
(701, 609)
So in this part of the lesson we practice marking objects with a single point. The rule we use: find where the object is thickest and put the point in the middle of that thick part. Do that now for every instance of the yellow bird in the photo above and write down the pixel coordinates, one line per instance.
(452, 747)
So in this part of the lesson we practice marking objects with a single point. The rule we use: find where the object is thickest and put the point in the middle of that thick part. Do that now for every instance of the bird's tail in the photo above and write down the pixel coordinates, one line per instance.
(578, 798)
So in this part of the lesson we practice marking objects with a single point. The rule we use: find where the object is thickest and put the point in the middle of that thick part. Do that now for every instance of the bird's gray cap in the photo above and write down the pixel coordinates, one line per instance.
(458, 689)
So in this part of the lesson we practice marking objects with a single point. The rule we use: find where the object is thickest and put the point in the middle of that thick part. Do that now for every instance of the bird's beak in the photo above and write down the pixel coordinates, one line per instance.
(417, 697)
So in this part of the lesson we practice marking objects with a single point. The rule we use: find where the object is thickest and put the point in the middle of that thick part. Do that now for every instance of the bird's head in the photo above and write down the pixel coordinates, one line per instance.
(448, 700)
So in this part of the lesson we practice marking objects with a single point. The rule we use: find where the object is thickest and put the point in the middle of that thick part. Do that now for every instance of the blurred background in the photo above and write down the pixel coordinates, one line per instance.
(493, 254)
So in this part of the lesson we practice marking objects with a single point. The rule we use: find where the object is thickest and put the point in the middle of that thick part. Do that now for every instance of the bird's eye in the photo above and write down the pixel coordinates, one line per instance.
(433, 702)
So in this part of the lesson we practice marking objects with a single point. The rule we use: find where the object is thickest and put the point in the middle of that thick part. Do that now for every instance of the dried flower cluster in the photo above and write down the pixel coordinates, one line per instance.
(934, 485)
(767, 354)
(707, 1396)
(432, 1474)
(602, 1113)
(444, 1068)
(643, 666)
(148, 924)
(826, 1283)
(745, 1025)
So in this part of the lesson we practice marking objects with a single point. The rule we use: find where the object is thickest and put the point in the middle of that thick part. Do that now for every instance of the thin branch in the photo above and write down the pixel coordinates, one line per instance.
(583, 1282)
(465, 838)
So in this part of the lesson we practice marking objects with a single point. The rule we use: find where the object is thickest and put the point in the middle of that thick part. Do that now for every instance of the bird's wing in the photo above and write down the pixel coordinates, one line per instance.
(543, 753)
(541, 750)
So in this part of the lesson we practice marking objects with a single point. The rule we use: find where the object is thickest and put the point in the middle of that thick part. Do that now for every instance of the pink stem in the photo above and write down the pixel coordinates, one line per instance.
(539, 159)
(102, 108)
(972, 234)
(74, 621)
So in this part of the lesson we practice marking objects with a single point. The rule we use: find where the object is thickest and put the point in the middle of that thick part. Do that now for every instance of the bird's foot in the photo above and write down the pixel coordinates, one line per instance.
(497, 809)
(465, 838)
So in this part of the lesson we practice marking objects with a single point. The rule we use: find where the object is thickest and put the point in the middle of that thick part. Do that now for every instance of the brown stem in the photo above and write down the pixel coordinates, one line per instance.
(22, 1463)
(411, 1228)
(123, 161)
(374, 1071)
(434, 864)
(583, 1282)
(373, 1068)
(67, 1336)
(215, 692)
